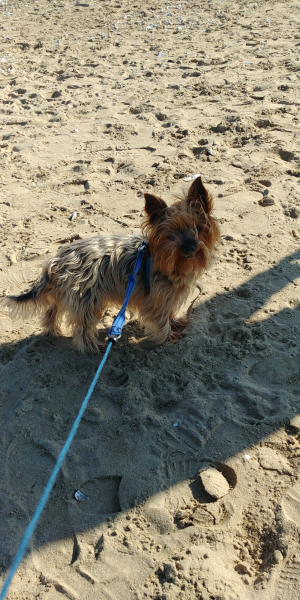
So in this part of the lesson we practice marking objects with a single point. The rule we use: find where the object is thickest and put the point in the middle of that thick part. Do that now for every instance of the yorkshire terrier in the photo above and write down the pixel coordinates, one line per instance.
(89, 275)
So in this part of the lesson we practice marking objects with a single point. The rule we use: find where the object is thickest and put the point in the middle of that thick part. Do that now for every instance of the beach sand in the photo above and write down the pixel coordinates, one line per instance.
(134, 97)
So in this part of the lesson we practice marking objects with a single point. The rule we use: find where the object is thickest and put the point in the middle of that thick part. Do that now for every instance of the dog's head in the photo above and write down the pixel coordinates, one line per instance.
(181, 236)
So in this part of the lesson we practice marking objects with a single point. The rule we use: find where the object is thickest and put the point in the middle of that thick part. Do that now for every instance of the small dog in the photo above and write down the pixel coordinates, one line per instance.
(88, 275)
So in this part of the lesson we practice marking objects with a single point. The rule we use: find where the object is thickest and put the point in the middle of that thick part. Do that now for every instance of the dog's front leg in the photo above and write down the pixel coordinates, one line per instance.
(156, 314)
(177, 326)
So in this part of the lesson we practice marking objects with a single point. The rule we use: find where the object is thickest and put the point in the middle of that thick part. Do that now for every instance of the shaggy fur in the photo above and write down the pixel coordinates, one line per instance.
(87, 276)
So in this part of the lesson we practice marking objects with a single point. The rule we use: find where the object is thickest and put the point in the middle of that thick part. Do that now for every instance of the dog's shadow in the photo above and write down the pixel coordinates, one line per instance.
(153, 419)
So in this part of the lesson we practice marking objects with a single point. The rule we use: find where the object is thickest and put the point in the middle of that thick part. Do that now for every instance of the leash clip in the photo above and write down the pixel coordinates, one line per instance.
(113, 338)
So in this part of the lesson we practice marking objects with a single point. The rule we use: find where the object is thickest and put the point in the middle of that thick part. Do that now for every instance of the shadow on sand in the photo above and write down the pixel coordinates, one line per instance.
(153, 420)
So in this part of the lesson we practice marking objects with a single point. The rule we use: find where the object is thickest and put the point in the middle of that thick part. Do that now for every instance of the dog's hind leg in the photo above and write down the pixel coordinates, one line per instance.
(84, 318)
(50, 321)
(84, 326)
(84, 337)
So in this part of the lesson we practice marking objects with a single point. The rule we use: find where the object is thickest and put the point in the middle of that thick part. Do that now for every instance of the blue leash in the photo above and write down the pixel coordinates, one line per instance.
(113, 334)
(46, 493)
(118, 324)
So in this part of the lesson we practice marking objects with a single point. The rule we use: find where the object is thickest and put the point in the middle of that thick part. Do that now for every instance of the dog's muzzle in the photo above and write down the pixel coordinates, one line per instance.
(189, 247)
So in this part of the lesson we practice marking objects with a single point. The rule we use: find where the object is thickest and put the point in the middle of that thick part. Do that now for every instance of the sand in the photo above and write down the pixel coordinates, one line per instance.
(133, 97)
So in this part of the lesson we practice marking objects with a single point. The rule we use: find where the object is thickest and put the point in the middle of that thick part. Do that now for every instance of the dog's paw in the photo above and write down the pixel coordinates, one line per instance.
(97, 348)
(147, 344)
(91, 347)
(54, 332)
(174, 337)
(177, 325)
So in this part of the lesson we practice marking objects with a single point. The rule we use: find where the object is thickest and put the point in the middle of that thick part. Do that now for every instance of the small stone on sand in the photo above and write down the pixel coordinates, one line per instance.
(295, 422)
(214, 483)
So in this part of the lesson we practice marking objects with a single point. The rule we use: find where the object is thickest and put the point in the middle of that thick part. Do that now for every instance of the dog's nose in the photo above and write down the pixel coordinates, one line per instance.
(188, 243)
(189, 247)
(190, 251)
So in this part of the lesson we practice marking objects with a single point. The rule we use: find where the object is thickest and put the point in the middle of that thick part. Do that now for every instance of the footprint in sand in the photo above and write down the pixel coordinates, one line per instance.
(103, 496)
(200, 501)
(284, 583)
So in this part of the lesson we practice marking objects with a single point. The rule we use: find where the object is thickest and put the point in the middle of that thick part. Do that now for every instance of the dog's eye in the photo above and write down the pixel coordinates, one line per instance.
(199, 229)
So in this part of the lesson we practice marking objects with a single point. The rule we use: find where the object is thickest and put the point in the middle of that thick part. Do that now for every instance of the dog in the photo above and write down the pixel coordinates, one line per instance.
(89, 275)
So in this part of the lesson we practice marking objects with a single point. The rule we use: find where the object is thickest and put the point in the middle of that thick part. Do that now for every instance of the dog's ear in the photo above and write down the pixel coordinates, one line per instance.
(198, 194)
(154, 207)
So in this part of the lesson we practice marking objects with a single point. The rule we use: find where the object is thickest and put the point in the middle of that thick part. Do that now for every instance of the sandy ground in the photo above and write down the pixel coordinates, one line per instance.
(129, 97)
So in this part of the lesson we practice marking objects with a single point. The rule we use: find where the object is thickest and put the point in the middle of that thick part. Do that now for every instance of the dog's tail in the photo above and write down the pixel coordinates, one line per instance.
(30, 301)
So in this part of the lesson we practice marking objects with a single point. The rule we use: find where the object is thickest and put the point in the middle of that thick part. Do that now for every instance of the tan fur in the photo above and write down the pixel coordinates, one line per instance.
(88, 275)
